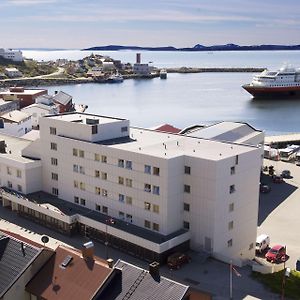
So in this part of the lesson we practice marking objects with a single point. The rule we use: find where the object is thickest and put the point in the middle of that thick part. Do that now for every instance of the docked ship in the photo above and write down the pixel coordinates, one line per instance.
(115, 78)
(284, 82)
(163, 74)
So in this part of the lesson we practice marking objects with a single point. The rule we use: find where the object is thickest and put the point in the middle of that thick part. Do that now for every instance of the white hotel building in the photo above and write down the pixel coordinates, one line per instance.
(164, 192)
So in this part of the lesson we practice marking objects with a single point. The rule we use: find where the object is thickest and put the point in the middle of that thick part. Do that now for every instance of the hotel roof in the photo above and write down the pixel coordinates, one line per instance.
(15, 116)
(24, 92)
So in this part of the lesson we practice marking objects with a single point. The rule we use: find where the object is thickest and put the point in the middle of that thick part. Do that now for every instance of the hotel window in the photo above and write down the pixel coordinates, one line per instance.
(9, 184)
(147, 205)
(76, 200)
(147, 224)
(98, 207)
(186, 225)
(19, 188)
(103, 175)
(121, 180)
(75, 168)
(155, 171)
(54, 176)
(104, 159)
(121, 163)
(147, 187)
(121, 197)
(121, 215)
(232, 170)
(82, 186)
(76, 184)
(129, 200)
(128, 182)
(186, 207)
(19, 173)
(53, 146)
(94, 129)
(75, 152)
(229, 243)
(8, 170)
(55, 191)
(104, 193)
(147, 169)
(105, 209)
(232, 189)
(129, 164)
(187, 170)
(236, 159)
(156, 208)
(53, 130)
(129, 218)
(97, 157)
(97, 173)
(53, 161)
(81, 153)
(230, 225)
(156, 190)
(97, 190)
(155, 226)
(82, 201)
(187, 188)
(231, 206)
(81, 170)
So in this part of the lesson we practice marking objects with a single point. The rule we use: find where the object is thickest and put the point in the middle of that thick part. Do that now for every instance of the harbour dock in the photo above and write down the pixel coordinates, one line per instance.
(281, 141)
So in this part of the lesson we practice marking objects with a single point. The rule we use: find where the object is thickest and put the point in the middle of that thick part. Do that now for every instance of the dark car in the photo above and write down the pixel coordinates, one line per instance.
(276, 254)
(277, 179)
(264, 188)
(176, 260)
(286, 173)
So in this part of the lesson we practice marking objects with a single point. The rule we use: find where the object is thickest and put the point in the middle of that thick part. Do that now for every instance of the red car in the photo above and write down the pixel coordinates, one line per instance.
(176, 260)
(276, 254)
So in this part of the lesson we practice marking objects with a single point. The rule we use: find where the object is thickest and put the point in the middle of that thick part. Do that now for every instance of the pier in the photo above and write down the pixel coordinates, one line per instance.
(281, 141)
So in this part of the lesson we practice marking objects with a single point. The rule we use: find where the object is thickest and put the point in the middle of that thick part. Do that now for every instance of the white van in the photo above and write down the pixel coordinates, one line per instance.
(262, 242)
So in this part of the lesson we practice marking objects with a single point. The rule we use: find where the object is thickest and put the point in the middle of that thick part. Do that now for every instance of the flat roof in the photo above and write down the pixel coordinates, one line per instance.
(15, 116)
(284, 138)
(25, 92)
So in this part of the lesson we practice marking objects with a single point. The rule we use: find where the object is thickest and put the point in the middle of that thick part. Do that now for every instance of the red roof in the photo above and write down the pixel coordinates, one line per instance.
(168, 128)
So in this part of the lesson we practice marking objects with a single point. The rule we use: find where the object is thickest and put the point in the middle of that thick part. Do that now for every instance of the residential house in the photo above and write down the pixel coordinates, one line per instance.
(12, 72)
(64, 101)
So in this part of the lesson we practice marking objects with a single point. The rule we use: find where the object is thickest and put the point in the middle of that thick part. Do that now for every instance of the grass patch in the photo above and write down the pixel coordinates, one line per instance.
(274, 283)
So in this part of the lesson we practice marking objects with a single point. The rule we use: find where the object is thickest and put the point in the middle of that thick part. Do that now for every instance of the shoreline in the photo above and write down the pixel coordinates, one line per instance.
(66, 81)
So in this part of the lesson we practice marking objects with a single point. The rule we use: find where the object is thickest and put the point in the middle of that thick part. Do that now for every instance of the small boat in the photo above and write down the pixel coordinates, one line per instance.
(115, 78)
(163, 74)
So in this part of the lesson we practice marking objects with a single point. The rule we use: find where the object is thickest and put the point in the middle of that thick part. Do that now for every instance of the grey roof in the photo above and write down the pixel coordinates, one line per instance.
(14, 260)
(135, 283)
(62, 98)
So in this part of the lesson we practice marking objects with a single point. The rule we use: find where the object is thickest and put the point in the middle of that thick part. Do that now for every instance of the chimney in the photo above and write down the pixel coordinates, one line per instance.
(55, 92)
(110, 262)
(154, 269)
(138, 58)
(88, 250)
(23, 248)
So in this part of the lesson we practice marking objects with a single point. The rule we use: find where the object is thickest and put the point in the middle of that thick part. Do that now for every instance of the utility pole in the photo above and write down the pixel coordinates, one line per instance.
(283, 276)
(230, 281)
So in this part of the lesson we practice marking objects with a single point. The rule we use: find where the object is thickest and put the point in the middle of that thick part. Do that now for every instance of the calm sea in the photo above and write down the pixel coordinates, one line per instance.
(186, 99)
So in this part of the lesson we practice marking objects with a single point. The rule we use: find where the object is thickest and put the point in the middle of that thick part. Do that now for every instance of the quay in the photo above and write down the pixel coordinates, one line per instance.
(281, 141)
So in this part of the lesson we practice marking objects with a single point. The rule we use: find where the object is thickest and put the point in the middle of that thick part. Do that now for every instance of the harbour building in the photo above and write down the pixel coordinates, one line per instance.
(145, 192)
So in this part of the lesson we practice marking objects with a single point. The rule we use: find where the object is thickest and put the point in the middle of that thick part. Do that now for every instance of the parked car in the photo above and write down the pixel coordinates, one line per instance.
(277, 179)
(176, 260)
(276, 254)
(286, 173)
(262, 243)
(264, 188)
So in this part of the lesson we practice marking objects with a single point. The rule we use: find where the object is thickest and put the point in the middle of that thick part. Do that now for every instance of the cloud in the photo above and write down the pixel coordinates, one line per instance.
(30, 2)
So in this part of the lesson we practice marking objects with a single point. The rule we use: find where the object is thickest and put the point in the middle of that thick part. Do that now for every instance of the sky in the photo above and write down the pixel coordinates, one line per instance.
(77, 24)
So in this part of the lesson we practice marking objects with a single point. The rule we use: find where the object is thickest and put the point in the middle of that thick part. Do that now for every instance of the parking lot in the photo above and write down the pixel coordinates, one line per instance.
(279, 210)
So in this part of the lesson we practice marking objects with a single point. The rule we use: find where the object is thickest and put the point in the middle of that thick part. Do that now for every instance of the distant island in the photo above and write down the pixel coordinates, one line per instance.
(198, 47)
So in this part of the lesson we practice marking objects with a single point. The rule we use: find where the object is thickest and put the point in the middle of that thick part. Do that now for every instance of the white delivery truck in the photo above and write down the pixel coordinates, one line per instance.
(262, 243)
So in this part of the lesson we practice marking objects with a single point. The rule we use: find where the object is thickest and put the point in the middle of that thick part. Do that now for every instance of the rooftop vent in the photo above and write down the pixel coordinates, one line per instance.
(154, 269)
(67, 261)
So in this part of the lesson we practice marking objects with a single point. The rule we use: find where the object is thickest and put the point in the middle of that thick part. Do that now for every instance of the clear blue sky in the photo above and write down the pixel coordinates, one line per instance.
(84, 23)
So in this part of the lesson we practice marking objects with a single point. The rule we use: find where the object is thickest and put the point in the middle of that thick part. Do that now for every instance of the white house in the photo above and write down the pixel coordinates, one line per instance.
(12, 72)
(15, 55)
(150, 192)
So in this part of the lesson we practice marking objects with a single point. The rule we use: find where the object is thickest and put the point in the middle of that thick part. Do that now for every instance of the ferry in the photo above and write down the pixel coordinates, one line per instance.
(284, 82)
(115, 78)
(163, 74)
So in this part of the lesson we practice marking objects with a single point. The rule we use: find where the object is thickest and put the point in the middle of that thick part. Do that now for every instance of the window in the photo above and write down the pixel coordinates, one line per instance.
(156, 190)
(75, 168)
(9, 184)
(81, 153)
(156, 208)
(129, 164)
(156, 171)
(124, 129)
(155, 226)
(19, 173)
(121, 163)
(230, 225)
(121, 215)
(53, 161)
(97, 173)
(19, 188)
(82, 186)
(104, 193)
(229, 243)
(186, 225)
(97, 157)
(187, 189)
(232, 170)
(54, 176)
(94, 129)
(128, 182)
(98, 207)
(53, 130)
(129, 218)
(97, 190)
(76, 184)
(187, 170)
(8, 170)
(75, 152)
(147, 169)
(147, 224)
(76, 200)
(231, 206)
(55, 191)
(147, 205)
(53, 146)
(129, 200)
(147, 187)
(81, 170)
(186, 207)
(121, 197)
(104, 159)
(121, 180)
(105, 209)
(82, 201)
(104, 176)
(232, 189)
(236, 159)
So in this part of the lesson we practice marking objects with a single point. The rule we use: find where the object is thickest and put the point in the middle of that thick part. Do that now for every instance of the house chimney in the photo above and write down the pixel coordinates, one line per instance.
(154, 269)
(138, 58)
(88, 250)
(23, 248)
(110, 262)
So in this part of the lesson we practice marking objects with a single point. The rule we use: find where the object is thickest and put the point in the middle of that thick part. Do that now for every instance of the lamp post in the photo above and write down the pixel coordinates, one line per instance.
(107, 221)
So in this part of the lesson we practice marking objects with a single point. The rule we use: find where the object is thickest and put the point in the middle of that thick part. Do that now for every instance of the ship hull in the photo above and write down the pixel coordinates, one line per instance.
(268, 92)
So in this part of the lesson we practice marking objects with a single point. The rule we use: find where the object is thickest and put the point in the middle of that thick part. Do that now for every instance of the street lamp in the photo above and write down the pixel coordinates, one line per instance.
(107, 221)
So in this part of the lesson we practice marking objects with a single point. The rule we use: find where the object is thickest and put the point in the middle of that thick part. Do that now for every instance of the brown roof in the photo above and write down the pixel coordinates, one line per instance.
(81, 279)
(167, 128)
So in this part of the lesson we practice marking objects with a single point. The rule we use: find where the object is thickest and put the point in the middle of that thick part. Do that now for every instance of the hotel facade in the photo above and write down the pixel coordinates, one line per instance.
(148, 193)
